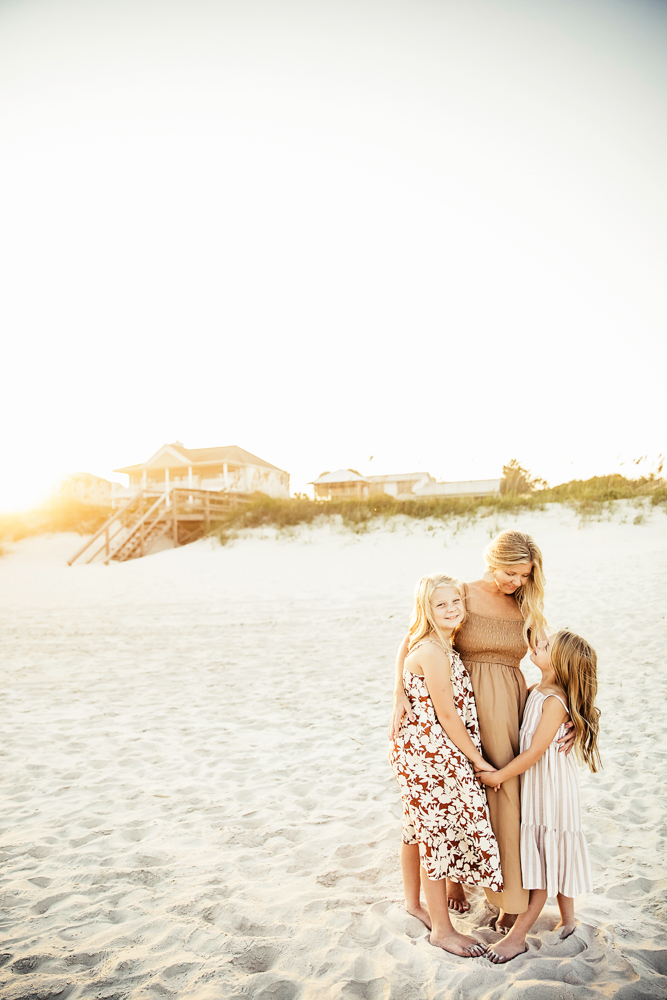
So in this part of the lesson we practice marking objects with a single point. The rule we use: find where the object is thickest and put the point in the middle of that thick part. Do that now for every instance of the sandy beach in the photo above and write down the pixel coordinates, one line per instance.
(196, 798)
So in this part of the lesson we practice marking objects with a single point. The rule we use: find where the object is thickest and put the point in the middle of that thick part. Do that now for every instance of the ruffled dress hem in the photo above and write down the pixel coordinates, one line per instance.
(558, 860)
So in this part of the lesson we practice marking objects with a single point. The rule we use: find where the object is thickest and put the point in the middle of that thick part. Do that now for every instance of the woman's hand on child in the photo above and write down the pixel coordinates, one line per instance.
(567, 741)
(402, 707)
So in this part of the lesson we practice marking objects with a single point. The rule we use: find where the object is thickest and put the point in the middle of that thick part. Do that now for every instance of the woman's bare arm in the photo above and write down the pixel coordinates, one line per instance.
(401, 701)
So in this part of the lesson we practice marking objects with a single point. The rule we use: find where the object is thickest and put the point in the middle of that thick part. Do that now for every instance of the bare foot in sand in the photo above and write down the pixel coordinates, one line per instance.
(456, 897)
(458, 944)
(568, 921)
(505, 922)
(506, 950)
(565, 929)
(421, 913)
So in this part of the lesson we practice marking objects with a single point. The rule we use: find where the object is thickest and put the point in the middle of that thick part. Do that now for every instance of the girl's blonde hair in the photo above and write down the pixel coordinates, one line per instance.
(512, 547)
(574, 664)
(421, 619)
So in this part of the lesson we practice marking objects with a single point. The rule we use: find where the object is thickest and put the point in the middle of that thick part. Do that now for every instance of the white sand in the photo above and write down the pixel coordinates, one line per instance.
(196, 800)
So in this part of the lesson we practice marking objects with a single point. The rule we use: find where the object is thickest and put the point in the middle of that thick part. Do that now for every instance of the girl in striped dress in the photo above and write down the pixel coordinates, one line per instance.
(554, 855)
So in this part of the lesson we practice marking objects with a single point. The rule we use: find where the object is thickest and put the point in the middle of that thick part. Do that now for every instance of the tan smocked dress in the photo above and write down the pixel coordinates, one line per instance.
(491, 650)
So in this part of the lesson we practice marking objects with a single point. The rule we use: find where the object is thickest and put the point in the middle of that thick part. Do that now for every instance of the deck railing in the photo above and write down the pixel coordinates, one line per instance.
(125, 533)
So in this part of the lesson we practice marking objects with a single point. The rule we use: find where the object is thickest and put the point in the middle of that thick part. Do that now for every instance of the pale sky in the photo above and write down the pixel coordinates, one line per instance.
(428, 231)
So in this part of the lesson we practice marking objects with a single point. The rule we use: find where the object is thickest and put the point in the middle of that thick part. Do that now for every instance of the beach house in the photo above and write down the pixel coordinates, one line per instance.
(343, 484)
(400, 484)
(348, 483)
(227, 469)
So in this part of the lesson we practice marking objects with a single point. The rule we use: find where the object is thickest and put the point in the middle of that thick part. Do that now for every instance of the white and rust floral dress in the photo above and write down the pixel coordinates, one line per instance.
(445, 809)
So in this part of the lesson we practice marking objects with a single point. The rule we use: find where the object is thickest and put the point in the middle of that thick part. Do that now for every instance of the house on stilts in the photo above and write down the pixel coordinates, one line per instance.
(175, 496)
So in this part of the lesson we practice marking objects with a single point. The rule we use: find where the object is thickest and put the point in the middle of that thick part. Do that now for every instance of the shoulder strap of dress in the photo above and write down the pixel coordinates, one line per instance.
(424, 642)
(560, 700)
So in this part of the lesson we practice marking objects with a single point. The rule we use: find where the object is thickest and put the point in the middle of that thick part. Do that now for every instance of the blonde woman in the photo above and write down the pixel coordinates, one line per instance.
(446, 828)
(504, 615)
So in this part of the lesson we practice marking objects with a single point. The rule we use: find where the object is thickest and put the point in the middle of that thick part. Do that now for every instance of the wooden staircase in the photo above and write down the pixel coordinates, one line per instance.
(133, 530)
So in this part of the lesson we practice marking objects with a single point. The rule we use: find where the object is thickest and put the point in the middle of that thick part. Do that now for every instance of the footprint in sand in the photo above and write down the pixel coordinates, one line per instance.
(553, 944)
(636, 887)
(394, 918)
(44, 905)
(179, 970)
(374, 989)
(28, 964)
(134, 836)
(654, 958)
(87, 960)
(77, 931)
(259, 958)
(283, 989)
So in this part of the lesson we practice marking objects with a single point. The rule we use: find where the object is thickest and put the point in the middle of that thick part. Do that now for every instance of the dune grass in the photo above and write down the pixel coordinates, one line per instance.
(590, 498)
(55, 515)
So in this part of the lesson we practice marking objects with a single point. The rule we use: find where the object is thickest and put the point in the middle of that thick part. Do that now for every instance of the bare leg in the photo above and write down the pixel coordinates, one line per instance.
(456, 897)
(505, 921)
(514, 942)
(443, 934)
(568, 921)
(412, 883)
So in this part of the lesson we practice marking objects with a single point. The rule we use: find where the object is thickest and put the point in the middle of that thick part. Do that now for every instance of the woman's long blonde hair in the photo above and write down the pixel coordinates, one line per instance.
(574, 664)
(421, 619)
(512, 547)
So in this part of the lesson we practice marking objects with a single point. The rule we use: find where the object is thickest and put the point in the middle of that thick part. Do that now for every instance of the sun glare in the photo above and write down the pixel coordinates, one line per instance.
(310, 238)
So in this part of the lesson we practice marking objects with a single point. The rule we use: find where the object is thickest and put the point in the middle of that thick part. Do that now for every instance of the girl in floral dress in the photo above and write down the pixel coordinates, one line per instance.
(434, 756)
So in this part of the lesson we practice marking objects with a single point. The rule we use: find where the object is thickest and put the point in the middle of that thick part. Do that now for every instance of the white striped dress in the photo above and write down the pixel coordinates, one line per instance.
(554, 854)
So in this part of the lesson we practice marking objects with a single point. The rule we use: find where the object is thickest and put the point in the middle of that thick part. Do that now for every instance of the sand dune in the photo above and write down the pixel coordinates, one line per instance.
(196, 801)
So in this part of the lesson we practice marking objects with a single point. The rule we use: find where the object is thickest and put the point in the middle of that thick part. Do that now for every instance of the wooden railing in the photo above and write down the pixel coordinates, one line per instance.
(109, 530)
(139, 530)
(206, 504)
(127, 532)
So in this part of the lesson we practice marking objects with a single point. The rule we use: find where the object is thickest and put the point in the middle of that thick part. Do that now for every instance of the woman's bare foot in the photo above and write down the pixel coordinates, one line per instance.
(505, 951)
(505, 922)
(421, 913)
(565, 929)
(456, 897)
(458, 944)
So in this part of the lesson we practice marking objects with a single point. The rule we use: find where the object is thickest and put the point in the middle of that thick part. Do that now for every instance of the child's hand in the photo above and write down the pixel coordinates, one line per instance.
(483, 765)
(485, 772)
(488, 778)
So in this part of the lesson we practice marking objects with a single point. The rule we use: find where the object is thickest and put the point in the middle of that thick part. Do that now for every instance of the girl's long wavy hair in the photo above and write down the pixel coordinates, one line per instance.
(506, 550)
(574, 664)
(421, 619)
